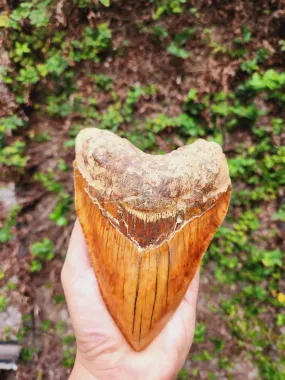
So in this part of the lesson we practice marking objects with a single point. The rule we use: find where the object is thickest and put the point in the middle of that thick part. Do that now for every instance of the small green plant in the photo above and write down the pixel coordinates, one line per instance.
(280, 214)
(42, 252)
(176, 47)
(105, 2)
(59, 298)
(63, 105)
(68, 357)
(6, 231)
(69, 351)
(55, 65)
(182, 375)
(144, 140)
(219, 344)
(28, 75)
(205, 356)
(253, 65)
(93, 42)
(278, 126)
(214, 45)
(280, 320)
(49, 181)
(160, 32)
(245, 36)
(58, 215)
(12, 155)
(272, 258)
(35, 266)
(73, 132)
(27, 354)
(82, 3)
(68, 339)
(10, 123)
(11, 285)
(64, 201)
(282, 44)
(134, 94)
(104, 82)
(37, 12)
(224, 363)
(181, 38)
(59, 327)
(168, 7)
(271, 81)
(46, 325)
(184, 123)
(200, 333)
(112, 118)
(3, 303)
(194, 11)
(42, 137)
(62, 165)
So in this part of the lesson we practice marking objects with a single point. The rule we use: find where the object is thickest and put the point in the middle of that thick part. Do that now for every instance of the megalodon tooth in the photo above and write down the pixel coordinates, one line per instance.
(147, 220)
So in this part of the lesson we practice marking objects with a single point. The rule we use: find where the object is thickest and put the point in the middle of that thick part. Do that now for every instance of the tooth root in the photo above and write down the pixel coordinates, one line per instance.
(143, 287)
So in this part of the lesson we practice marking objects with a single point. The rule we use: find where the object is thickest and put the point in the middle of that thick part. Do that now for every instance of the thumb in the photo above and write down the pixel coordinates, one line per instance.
(86, 306)
(77, 259)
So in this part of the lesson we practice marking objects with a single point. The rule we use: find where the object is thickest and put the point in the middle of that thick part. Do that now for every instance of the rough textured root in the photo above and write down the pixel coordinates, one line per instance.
(147, 197)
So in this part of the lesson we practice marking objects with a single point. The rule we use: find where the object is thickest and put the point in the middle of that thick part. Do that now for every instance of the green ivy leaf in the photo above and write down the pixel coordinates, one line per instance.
(105, 2)
(175, 50)
(3, 303)
(4, 21)
(43, 250)
(35, 266)
(272, 258)
(200, 333)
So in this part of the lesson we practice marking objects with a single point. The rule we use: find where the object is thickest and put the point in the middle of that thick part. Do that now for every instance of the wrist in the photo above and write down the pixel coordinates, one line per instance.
(133, 369)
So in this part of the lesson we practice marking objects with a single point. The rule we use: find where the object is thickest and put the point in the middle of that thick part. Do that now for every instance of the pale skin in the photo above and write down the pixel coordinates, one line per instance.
(102, 351)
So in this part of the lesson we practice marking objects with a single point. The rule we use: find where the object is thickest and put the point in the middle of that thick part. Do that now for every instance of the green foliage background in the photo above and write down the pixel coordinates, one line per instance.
(56, 53)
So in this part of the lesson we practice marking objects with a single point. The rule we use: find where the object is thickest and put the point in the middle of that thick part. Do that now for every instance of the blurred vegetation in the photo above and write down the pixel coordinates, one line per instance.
(47, 59)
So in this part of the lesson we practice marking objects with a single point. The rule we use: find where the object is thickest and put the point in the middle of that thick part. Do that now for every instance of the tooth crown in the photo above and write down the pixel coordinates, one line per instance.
(147, 221)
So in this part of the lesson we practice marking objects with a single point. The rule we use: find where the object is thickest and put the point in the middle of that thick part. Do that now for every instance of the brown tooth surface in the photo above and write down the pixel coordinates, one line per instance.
(147, 234)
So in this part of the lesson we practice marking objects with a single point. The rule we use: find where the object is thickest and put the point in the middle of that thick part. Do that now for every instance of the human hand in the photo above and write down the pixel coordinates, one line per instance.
(102, 351)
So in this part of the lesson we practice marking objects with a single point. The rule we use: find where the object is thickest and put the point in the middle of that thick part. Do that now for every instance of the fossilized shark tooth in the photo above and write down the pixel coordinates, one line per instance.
(147, 220)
